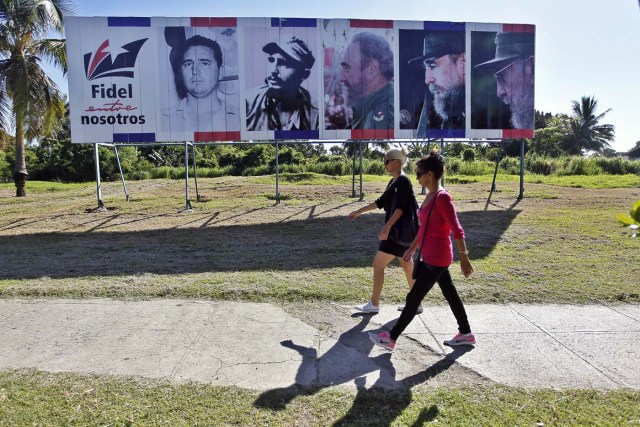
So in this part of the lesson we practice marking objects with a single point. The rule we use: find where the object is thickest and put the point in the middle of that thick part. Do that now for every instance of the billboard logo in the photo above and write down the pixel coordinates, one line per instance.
(102, 65)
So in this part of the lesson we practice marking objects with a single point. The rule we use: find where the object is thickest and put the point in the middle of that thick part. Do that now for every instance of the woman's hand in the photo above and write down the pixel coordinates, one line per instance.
(384, 232)
(465, 266)
(408, 254)
(353, 215)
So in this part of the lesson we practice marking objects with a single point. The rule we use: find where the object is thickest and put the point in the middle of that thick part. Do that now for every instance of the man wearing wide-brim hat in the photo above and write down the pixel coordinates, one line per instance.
(443, 59)
(513, 68)
(282, 103)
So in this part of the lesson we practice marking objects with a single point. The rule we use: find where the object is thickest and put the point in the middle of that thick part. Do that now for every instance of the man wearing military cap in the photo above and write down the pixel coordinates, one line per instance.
(282, 103)
(513, 68)
(443, 59)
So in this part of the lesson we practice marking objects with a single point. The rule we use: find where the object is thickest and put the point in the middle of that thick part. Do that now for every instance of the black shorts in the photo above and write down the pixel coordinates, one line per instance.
(392, 248)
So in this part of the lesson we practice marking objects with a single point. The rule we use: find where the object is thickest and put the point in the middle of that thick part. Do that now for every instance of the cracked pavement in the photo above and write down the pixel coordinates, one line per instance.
(262, 346)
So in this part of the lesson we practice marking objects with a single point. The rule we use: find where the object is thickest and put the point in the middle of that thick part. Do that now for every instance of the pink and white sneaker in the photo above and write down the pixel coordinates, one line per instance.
(461, 339)
(383, 340)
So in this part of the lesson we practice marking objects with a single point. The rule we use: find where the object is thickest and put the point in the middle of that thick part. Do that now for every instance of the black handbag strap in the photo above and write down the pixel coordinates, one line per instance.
(435, 197)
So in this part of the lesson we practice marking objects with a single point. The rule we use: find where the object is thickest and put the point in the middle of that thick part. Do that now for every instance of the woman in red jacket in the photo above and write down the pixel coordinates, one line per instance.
(438, 219)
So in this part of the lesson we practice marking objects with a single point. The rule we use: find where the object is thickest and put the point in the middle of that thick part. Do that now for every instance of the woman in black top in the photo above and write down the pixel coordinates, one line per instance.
(401, 187)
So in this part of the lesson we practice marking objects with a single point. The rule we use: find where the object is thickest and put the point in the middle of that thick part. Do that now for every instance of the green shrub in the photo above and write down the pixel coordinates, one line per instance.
(540, 165)
(161, 172)
(138, 175)
(617, 165)
(581, 166)
(259, 170)
(468, 155)
(510, 165)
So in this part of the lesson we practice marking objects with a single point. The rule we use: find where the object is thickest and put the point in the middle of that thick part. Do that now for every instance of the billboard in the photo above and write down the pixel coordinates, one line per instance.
(162, 79)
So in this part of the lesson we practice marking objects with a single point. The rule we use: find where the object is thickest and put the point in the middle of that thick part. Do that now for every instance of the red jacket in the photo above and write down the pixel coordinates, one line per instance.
(437, 249)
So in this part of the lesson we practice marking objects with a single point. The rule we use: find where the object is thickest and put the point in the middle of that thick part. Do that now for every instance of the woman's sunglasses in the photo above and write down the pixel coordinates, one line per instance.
(387, 161)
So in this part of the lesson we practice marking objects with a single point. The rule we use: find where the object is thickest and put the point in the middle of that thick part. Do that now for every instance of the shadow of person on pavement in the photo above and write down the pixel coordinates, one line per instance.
(380, 406)
(348, 360)
(345, 361)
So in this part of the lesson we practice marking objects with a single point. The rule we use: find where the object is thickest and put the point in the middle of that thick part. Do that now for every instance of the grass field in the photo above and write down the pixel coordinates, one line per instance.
(560, 244)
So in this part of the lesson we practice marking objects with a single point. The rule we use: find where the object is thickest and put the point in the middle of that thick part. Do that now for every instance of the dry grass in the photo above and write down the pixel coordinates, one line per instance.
(558, 244)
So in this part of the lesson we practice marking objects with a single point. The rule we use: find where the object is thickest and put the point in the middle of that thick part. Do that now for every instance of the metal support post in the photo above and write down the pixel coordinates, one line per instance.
(442, 154)
(361, 193)
(124, 185)
(98, 185)
(521, 195)
(353, 171)
(187, 206)
(277, 175)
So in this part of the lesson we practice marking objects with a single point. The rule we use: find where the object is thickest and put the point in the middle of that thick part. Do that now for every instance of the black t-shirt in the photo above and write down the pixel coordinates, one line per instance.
(403, 190)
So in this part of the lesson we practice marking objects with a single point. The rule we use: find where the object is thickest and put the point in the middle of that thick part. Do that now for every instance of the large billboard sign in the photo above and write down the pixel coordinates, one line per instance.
(250, 79)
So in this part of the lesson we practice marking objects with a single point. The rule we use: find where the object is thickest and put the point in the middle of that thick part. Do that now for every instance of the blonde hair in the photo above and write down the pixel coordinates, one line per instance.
(398, 154)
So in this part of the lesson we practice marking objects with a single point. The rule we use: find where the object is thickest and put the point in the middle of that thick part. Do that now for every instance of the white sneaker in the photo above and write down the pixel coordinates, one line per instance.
(368, 308)
(420, 308)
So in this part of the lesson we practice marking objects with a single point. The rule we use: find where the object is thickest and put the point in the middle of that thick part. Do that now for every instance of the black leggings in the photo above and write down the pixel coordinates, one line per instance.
(427, 277)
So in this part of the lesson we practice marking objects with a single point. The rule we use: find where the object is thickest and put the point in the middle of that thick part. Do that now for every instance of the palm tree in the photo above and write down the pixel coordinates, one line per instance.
(29, 99)
(586, 134)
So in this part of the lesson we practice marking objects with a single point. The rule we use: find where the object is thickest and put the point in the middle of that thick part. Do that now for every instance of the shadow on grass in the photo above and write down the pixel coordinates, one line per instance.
(315, 242)
(347, 360)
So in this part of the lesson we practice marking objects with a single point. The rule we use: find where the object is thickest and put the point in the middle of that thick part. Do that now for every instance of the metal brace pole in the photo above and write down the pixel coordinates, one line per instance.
(124, 185)
(495, 172)
(98, 185)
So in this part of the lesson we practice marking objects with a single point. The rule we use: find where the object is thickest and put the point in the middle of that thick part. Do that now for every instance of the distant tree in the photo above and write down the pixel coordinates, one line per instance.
(27, 94)
(337, 150)
(634, 153)
(542, 119)
(586, 133)
(548, 140)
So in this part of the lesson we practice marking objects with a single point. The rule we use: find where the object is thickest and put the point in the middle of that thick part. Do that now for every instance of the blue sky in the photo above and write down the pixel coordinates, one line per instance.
(583, 47)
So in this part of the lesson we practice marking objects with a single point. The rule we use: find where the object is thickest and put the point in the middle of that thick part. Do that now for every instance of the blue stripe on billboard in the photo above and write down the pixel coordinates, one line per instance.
(128, 21)
(444, 26)
(297, 134)
(445, 133)
(134, 137)
(294, 22)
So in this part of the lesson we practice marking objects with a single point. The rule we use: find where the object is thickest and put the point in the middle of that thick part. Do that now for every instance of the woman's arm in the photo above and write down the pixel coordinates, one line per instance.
(463, 252)
(370, 207)
(386, 229)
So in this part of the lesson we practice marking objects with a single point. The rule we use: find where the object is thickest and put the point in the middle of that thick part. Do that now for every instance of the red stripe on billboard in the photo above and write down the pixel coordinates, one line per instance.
(370, 23)
(517, 133)
(372, 134)
(214, 22)
(518, 28)
(216, 136)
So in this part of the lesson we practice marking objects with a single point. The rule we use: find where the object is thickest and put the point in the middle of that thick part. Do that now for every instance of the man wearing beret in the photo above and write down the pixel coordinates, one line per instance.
(282, 103)
(443, 59)
(513, 69)
(367, 73)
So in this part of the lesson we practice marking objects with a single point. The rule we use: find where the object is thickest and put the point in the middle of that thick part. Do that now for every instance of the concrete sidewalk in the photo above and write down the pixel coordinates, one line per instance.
(264, 347)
